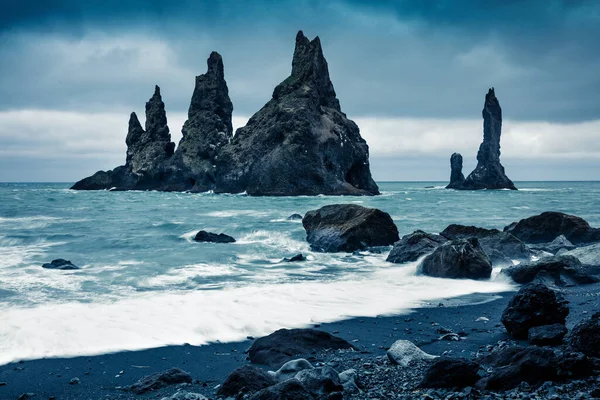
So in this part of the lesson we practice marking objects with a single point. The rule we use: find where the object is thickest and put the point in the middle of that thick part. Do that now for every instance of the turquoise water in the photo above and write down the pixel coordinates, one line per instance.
(144, 282)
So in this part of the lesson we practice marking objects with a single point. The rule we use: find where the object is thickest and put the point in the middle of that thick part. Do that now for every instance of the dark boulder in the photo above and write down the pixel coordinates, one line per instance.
(534, 305)
(500, 247)
(280, 346)
(456, 175)
(204, 236)
(573, 364)
(585, 336)
(549, 225)
(547, 335)
(531, 364)
(60, 263)
(245, 379)
(172, 376)
(300, 142)
(561, 270)
(320, 382)
(348, 227)
(296, 258)
(458, 259)
(414, 246)
(291, 389)
(558, 244)
(451, 373)
(489, 173)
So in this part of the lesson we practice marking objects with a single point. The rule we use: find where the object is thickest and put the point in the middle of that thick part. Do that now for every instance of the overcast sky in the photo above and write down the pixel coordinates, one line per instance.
(412, 74)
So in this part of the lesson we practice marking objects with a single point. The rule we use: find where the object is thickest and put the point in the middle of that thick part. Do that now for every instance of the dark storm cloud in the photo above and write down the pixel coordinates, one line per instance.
(432, 59)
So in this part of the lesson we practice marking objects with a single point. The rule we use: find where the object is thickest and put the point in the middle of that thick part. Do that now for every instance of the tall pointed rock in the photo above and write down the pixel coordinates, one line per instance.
(456, 176)
(207, 129)
(489, 173)
(299, 143)
(146, 150)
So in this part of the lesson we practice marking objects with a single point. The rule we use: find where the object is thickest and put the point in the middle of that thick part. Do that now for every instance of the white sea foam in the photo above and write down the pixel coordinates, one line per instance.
(149, 320)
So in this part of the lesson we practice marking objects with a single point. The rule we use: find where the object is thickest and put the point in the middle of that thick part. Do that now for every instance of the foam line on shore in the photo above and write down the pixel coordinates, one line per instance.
(149, 320)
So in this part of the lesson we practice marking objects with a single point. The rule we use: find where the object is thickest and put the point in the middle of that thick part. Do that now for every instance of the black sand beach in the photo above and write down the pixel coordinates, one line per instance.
(102, 376)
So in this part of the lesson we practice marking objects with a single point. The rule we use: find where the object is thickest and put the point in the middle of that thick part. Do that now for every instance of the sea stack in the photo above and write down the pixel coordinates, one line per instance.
(300, 142)
(489, 173)
(456, 176)
(205, 132)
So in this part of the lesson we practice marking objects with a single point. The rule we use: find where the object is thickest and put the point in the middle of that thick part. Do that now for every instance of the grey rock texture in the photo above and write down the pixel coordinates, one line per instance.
(414, 246)
(489, 173)
(291, 389)
(451, 373)
(245, 379)
(456, 175)
(500, 247)
(348, 227)
(458, 259)
(585, 336)
(547, 335)
(549, 225)
(300, 142)
(563, 270)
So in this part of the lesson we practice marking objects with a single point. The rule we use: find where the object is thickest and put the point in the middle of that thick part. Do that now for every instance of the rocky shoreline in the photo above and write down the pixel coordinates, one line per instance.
(541, 343)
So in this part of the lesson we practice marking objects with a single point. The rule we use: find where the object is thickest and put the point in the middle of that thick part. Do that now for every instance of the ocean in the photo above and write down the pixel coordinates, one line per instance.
(145, 283)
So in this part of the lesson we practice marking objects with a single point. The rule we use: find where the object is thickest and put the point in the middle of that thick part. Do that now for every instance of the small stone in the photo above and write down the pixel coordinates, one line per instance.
(74, 381)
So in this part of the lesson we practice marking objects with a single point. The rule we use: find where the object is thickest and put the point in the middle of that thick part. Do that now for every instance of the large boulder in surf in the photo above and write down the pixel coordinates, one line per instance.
(204, 236)
(414, 246)
(300, 142)
(456, 175)
(563, 270)
(501, 247)
(207, 129)
(60, 263)
(348, 227)
(547, 226)
(458, 259)
(148, 152)
(280, 346)
(489, 173)
(534, 305)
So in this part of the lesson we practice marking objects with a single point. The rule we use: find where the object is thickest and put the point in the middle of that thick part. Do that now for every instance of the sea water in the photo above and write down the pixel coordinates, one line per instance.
(145, 283)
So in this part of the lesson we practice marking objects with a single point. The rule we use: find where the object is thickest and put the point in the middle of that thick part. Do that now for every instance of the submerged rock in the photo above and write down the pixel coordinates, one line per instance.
(451, 373)
(280, 346)
(564, 270)
(547, 226)
(489, 173)
(245, 379)
(458, 259)
(172, 376)
(456, 175)
(295, 217)
(300, 142)
(296, 258)
(585, 336)
(500, 247)
(414, 246)
(547, 335)
(403, 352)
(61, 264)
(204, 236)
(348, 227)
(534, 305)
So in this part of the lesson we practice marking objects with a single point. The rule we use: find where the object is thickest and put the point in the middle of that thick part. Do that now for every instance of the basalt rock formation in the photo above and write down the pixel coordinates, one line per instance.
(300, 142)
(456, 176)
(152, 163)
(489, 173)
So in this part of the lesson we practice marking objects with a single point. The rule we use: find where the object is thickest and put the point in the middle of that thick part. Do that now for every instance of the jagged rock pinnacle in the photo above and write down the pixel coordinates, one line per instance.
(456, 176)
(489, 173)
